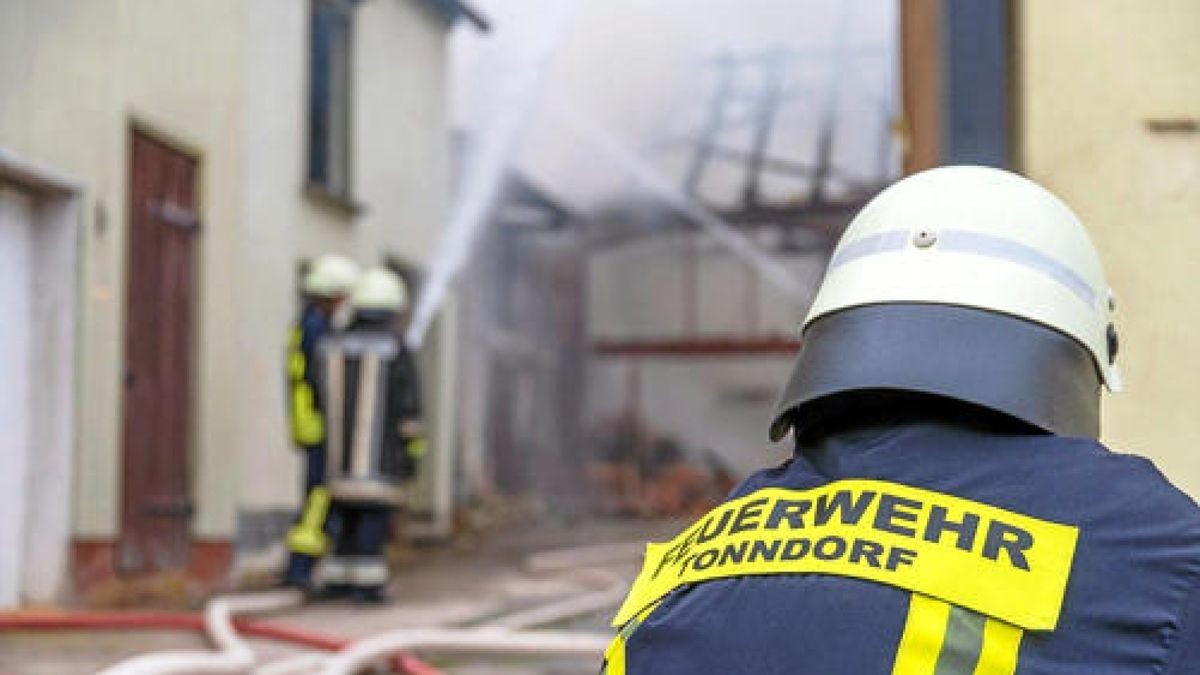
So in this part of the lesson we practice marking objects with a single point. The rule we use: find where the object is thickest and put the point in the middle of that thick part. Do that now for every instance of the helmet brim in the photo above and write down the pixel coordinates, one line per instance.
(1000, 362)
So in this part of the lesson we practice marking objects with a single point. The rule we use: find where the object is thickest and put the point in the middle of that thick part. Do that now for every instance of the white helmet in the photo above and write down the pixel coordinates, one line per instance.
(968, 283)
(380, 289)
(331, 275)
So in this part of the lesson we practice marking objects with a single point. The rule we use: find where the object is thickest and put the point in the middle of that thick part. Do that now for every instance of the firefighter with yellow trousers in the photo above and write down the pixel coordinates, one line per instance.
(948, 509)
(326, 286)
(370, 387)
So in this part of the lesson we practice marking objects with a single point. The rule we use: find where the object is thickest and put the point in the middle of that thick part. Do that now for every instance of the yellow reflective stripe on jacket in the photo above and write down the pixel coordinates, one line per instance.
(1001, 648)
(921, 641)
(417, 447)
(296, 360)
(941, 639)
(996, 562)
(308, 427)
(614, 655)
(308, 535)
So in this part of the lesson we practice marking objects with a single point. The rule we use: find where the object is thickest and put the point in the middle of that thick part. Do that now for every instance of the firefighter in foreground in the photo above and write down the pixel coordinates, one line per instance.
(375, 438)
(948, 509)
(325, 286)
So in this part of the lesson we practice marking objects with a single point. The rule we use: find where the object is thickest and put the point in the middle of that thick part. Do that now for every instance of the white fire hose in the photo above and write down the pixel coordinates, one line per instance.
(510, 634)
(232, 656)
(568, 608)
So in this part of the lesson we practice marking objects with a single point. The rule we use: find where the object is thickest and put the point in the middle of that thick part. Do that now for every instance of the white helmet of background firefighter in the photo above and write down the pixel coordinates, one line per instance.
(331, 276)
(967, 283)
(380, 290)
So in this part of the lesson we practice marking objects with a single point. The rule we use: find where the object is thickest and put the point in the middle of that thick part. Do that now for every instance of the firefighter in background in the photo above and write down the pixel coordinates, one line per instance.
(948, 509)
(373, 418)
(325, 287)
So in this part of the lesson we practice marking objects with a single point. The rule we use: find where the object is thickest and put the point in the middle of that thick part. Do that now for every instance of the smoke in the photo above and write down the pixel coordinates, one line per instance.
(521, 62)
(600, 128)
(623, 68)
(646, 177)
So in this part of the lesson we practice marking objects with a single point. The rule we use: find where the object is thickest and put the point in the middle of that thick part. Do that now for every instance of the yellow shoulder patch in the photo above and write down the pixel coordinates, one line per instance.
(997, 562)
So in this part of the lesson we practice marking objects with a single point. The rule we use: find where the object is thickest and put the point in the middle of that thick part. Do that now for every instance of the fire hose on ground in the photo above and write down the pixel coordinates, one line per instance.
(177, 621)
(232, 654)
(510, 634)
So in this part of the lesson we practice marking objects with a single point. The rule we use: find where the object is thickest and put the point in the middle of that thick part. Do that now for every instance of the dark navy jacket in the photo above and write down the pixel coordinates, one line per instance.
(1132, 605)
(313, 325)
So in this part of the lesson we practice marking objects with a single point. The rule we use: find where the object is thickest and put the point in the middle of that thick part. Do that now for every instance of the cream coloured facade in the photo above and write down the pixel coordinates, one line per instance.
(1095, 81)
(224, 82)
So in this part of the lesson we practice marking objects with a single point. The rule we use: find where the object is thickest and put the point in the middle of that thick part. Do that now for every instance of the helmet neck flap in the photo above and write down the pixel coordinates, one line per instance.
(1015, 367)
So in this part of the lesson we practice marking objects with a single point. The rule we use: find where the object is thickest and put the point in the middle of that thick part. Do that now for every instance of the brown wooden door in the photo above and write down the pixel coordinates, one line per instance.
(160, 299)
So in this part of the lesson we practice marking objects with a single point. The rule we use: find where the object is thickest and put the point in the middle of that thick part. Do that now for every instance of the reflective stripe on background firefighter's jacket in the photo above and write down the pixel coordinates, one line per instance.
(304, 410)
(370, 388)
(927, 548)
(308, 537)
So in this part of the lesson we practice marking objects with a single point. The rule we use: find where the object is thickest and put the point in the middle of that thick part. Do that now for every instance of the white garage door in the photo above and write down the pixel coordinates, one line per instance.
(16, 234)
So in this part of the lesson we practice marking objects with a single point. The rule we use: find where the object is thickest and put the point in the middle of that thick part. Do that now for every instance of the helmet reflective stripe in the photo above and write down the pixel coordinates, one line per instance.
(990, 240)
(881, 242)
(962, 241)
(1015, 252)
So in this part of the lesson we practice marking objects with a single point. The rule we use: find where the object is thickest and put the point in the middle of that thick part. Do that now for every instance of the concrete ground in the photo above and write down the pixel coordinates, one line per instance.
(465, 583)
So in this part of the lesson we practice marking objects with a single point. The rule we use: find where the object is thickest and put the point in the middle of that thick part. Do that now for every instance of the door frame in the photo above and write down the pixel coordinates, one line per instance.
(140, 126)
(56, 222)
